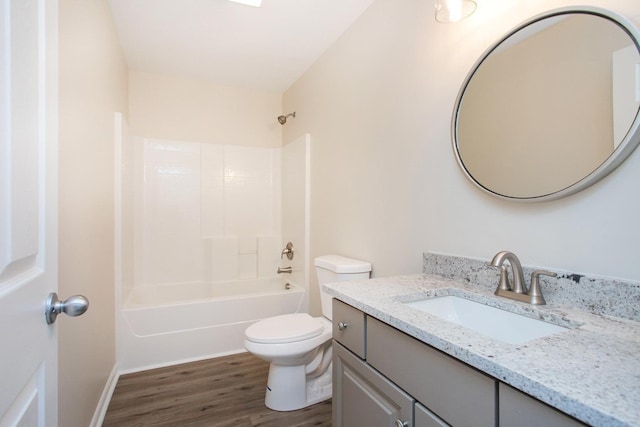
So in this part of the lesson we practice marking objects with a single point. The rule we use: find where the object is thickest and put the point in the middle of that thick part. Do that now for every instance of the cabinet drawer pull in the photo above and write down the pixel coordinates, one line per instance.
(400, 423)
(342, 326)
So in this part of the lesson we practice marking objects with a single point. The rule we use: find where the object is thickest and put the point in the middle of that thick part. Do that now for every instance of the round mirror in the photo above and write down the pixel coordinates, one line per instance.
(552, 107)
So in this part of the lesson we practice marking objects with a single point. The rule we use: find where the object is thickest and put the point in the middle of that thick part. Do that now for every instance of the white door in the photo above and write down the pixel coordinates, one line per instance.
(28, 211)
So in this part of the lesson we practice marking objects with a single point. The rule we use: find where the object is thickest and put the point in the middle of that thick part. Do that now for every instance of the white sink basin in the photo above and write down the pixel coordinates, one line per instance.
(489, 321)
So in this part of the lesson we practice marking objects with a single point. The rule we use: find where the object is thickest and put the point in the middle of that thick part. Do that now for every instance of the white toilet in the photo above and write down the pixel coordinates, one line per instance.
(298, 346)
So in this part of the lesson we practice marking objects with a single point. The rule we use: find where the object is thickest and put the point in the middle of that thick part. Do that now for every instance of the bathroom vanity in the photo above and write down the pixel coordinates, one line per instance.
(397, 366)
(370, 383)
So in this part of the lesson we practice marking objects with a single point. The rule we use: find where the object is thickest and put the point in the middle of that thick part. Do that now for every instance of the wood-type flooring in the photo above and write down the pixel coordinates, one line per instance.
(226, 391)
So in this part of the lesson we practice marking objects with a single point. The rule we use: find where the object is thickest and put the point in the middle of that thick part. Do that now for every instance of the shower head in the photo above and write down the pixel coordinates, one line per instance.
(283, 119)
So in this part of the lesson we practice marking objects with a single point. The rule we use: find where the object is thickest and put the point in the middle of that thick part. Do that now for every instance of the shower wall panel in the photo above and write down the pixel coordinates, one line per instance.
(296, 181)
(205, 210)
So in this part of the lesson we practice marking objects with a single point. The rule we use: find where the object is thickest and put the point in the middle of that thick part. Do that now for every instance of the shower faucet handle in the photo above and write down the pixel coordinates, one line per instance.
(288, 251)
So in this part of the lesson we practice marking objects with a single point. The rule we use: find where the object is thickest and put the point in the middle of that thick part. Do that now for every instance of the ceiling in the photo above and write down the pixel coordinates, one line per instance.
(266, 48)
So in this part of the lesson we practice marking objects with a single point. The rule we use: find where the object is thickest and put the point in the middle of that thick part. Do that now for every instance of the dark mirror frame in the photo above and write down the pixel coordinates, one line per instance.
(624, 149)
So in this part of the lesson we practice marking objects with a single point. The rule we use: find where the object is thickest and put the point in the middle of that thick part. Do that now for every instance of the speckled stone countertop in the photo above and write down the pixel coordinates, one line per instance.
(591, 371)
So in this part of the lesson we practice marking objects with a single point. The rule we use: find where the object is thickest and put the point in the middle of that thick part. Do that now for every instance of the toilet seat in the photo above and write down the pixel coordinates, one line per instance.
(284, 329)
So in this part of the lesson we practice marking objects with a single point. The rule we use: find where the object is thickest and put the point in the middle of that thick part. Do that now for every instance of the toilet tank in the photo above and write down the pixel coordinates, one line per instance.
(336, 268)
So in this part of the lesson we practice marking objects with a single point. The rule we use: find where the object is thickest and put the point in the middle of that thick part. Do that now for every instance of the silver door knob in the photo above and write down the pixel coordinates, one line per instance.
(400, 423)
(72, 306)
(342, 326)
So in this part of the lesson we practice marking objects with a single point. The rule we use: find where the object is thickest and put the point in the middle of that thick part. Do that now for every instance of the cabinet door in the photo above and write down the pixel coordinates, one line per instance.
(520, 410)
(426, 418)
(363, 397)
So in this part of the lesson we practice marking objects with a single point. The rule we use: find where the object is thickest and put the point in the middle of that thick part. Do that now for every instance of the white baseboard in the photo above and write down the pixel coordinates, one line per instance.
(105, 398)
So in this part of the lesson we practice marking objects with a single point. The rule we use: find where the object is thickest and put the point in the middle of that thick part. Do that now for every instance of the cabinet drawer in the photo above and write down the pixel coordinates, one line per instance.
(349, 327)
(520, 410)
(363, 397)
(455, 392)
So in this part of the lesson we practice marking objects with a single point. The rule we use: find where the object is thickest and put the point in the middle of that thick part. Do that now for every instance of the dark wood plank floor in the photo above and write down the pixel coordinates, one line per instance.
(226, 391)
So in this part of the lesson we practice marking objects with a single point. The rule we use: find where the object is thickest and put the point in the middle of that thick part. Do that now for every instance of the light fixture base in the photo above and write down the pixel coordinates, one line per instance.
(254, 3)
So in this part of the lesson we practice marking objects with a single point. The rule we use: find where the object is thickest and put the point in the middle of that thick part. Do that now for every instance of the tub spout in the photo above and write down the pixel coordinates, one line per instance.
(284, 270)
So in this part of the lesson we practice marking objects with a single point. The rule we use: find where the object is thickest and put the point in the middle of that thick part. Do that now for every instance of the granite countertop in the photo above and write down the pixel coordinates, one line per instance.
(591, 371)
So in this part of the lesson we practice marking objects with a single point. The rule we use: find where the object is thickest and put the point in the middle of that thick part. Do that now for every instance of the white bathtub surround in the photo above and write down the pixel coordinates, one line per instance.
(247, 245)
(170, 248)
(199, 260)
(194, 200)
(224, 258)
(598, 295)
(247, 266)
(252, 191)
(169, 324)
(247, 257)
(296, 208)
(590, 371)
(269, 249)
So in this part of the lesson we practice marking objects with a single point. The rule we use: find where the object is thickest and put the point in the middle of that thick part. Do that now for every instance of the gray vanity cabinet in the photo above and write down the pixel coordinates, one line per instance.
(363, 397)
(520, 410)
(384, 377)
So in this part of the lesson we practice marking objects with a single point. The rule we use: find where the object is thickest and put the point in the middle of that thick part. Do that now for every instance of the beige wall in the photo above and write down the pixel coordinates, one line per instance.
(385, 185)
(195, 110)
(93, 85)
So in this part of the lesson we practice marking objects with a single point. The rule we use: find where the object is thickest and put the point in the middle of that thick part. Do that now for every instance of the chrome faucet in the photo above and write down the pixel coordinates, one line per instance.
(516, 269)
(518, 291)
(284, 270)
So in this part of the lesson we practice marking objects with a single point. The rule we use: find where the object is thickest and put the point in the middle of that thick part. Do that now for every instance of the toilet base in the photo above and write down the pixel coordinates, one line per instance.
(289, 389)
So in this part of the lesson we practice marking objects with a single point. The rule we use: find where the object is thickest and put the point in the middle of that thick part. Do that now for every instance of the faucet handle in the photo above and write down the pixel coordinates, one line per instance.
(534, 289)
(288, 251)
(504, 283)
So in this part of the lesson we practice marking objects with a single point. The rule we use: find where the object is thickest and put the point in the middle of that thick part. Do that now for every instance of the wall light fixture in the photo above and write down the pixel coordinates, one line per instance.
(454, 10)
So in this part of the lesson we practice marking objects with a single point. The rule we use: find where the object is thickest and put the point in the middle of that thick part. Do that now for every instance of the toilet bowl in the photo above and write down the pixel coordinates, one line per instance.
(298, 346)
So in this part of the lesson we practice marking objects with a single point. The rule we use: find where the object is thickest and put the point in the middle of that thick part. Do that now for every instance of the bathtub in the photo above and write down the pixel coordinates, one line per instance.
(168, 324)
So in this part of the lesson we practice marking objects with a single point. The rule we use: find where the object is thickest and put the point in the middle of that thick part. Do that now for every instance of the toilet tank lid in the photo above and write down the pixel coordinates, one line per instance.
(340, 264)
